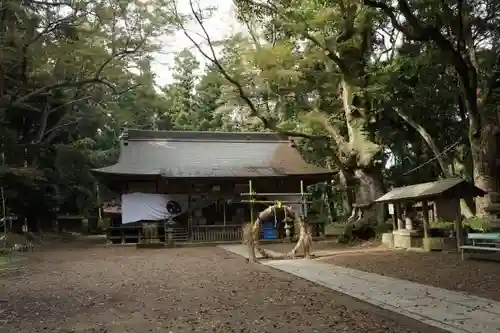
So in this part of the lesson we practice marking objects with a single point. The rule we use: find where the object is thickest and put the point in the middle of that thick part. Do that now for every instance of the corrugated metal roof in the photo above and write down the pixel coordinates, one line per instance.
(209, 154)
(429, 190)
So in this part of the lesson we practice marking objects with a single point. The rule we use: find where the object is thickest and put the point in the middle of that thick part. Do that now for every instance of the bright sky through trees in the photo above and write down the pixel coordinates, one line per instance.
(221, 25)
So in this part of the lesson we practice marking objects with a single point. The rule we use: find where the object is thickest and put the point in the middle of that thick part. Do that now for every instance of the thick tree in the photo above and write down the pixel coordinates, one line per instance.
(466, 33)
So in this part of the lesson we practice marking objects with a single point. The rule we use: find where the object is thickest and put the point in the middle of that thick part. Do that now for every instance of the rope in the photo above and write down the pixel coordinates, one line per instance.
(435, 157)
(275, 217)
(3, 225)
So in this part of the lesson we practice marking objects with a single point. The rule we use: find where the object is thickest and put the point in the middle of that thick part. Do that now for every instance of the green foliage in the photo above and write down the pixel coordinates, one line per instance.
(73, 74)
(478, 223)
(442, 224)
(66, 88)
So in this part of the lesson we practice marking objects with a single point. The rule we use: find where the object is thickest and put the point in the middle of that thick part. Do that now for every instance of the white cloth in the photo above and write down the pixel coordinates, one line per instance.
(151, 206)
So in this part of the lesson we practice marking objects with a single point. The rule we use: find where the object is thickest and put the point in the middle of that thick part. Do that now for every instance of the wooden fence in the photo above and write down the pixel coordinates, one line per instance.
(207, 233)
(216, 233)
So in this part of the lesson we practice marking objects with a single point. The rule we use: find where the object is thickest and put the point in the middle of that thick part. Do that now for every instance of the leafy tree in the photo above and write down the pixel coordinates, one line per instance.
(65, 68)
(465, 34)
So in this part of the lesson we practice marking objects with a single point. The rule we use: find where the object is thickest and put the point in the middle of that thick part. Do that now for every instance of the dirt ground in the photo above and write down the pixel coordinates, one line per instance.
(121, 289)
(440, 269)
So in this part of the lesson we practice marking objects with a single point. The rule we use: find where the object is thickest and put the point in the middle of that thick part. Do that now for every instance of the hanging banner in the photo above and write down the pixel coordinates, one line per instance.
(152, 207)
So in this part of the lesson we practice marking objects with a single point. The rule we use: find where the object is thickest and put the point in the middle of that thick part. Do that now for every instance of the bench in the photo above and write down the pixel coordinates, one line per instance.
(482, 242)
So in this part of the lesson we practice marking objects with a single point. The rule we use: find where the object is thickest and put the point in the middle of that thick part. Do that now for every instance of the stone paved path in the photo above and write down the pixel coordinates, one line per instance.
(448, 310)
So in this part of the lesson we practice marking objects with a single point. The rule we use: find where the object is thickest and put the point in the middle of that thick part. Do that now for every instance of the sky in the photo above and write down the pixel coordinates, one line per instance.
(221, 25)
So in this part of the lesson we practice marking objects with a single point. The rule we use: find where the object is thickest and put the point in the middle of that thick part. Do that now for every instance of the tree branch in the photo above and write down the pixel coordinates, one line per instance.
(76, 84)
(427, 138)
(212, 57)
(53, 131)
(328, 52)
(492, 83)
(418, 32)
(390, 12)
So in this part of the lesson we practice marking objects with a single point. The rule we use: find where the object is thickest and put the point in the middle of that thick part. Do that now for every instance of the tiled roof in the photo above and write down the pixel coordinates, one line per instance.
(174, 154)
(431, 189)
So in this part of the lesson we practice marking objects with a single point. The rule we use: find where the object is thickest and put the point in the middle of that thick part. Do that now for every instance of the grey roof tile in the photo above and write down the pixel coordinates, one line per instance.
(430, 189)
(209, 154)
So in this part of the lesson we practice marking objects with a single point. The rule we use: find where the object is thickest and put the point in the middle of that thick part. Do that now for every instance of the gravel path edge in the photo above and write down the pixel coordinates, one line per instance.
(355, 303)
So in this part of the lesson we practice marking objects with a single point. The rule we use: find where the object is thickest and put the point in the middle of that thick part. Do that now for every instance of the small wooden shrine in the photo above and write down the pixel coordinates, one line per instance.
(414, 206)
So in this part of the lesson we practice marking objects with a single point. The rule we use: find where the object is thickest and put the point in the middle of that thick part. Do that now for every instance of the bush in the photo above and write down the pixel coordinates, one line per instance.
(351, 233)
(383, 228)
(478, 223)
(483, 224)
(440, 224)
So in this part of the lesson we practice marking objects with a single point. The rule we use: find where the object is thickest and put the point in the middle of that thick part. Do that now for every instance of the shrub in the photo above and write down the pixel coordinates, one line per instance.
(483, 224)
(478, 223)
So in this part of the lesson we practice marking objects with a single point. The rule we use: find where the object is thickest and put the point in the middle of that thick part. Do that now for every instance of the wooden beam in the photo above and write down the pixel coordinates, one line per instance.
(458, 228)
(394, 218)
(276, 201)
(397, 211)
(425, 212)
(275, 194)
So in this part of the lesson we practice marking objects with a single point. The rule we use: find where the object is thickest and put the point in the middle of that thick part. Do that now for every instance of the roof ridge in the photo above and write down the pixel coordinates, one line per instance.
(137, 134)
(433, 182)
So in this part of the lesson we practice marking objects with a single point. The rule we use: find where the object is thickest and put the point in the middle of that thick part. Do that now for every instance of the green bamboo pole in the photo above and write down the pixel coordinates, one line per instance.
(251, 199)
(303, 202)
(275, 194)
(276, 202)
(251, 248)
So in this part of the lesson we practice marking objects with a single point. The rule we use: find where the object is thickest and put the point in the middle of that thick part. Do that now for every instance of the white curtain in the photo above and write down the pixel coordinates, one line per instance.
(152, 207)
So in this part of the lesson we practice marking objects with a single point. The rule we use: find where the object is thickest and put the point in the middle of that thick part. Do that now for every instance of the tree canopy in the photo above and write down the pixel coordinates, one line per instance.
(385, 93)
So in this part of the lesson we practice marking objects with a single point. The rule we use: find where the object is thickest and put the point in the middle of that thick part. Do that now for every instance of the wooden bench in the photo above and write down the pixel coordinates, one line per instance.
(482, 242)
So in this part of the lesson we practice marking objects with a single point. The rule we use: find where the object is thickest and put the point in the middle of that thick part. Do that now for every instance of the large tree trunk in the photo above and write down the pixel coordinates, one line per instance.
(363, 154)
(483, 130)
(370, 188)
(346, 185)
(361, 148)
(366, 215)
(484, 150)
(363, 151)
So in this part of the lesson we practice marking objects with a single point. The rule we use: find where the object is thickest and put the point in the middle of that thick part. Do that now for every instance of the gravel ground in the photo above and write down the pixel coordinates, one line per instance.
(323, 246)
(118, 290)
(440, 269)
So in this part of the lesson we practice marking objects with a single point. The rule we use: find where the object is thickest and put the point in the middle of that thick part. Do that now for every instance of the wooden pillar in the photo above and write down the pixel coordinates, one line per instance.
(190, 214)
(458, 231)
(394, 217)
(397, 211)
(425, 213)
(251, 248)
(224, 211)
(458, 225)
